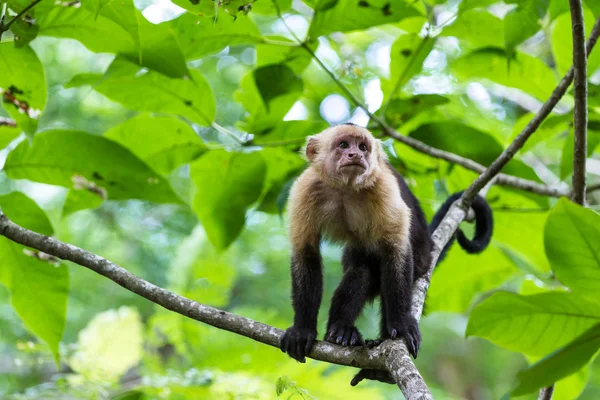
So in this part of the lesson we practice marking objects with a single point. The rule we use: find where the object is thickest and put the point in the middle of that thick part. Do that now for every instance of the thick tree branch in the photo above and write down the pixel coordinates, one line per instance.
(581, 116)
(360, 357)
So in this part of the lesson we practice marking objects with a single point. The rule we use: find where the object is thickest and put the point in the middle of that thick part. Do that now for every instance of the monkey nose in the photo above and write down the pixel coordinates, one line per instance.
(350, 155)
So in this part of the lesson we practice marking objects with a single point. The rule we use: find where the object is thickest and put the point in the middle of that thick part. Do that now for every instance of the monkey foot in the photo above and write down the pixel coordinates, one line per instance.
(346, 335)
(372, 374)
(408, 328)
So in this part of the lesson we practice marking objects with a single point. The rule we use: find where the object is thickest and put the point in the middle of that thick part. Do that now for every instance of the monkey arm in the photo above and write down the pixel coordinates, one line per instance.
(307, 291)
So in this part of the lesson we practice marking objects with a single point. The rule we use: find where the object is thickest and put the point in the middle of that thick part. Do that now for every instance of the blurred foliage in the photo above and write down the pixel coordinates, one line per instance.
(165, 135)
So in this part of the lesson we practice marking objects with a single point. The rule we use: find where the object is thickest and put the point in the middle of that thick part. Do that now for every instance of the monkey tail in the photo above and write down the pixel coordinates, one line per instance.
(484, 226)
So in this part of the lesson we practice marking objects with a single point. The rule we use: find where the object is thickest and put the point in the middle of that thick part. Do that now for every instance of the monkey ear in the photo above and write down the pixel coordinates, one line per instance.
(311, 148)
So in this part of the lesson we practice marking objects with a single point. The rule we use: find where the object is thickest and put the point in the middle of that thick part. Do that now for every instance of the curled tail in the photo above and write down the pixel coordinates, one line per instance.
(484, 226)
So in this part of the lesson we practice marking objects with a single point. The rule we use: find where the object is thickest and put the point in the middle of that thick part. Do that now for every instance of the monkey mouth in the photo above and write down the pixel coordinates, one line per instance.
(354, 164)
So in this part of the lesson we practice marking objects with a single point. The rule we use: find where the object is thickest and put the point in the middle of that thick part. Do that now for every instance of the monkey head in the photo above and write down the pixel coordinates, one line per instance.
(346, 156)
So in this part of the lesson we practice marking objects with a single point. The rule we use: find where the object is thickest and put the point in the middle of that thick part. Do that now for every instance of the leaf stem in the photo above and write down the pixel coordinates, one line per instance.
(5, 27)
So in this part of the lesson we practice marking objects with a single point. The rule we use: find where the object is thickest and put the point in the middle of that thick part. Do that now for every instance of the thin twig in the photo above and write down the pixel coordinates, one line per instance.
(6, 27)
(580, 95)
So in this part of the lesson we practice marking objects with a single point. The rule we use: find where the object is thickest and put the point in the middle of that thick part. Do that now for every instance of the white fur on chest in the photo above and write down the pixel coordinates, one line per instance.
(357, 216)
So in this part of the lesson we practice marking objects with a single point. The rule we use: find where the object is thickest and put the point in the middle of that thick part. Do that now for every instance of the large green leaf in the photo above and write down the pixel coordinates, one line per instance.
(560, 363)
(527, 73)
(468, 142)
(22, 85)
(164, 143)
(259, 119)
(571, 240)
(39, 290)
(119, 28)
(461, 276)
(407, 56)
(400, 110)
(140, 89)
(533, 325)
(519, 24)
(293, 132)
(61, 157)
(478, 28)
(282, 165)
(562, 43)
(276, 80)
(201, 35)
(351, 15)
(226, 184)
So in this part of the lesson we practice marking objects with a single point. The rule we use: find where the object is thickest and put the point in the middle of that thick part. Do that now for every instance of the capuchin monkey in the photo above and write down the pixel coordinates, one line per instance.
(351, 194)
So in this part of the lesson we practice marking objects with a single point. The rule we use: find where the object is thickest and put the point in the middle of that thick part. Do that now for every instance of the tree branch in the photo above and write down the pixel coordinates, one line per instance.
(532, 126)
(546, 393)
(580, 112)
(360, 357)
(5, 27)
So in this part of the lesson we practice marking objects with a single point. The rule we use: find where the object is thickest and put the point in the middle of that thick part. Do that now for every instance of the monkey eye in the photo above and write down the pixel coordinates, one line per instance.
(362, 147)
(344, 145)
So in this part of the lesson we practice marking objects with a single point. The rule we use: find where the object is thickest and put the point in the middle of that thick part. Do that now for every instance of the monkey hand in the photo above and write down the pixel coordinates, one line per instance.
(406, 327)
(372, 374)
(297, 342)
(344, 335)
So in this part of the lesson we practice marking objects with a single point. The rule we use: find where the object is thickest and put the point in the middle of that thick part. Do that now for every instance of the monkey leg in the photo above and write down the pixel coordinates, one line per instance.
(397, 272)
(349, 298)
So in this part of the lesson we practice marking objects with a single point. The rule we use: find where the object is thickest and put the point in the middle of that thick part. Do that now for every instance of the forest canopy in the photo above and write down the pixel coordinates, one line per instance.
(164, 136)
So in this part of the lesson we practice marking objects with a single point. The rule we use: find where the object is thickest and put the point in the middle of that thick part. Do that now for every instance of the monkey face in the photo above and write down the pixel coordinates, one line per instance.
(350, 154)
(345, 155)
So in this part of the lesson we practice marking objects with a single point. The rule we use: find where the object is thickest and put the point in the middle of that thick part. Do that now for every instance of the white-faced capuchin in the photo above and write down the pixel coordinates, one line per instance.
(351, 194)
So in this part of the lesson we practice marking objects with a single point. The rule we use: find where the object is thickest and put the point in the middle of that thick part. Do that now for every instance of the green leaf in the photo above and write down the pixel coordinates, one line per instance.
(140, 89)
(401, 110)
(39, 290)
(226, 184)
(466, 5)
(570, 238)
(110, 345)
(560, 363)
(164, 143)
(8, 134)
(294, 132)
(276, 80)
(562, 42)
(527, 73)
(519, 24)
(457, 280)
(407, 56)
(533, 325)
(24, 32)
(202, 35)
(350, 15)
(282, 165)
(259, 119)
(117, 28)
(478, 28)
(78, 200)
(23, 89)
(77, 159)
